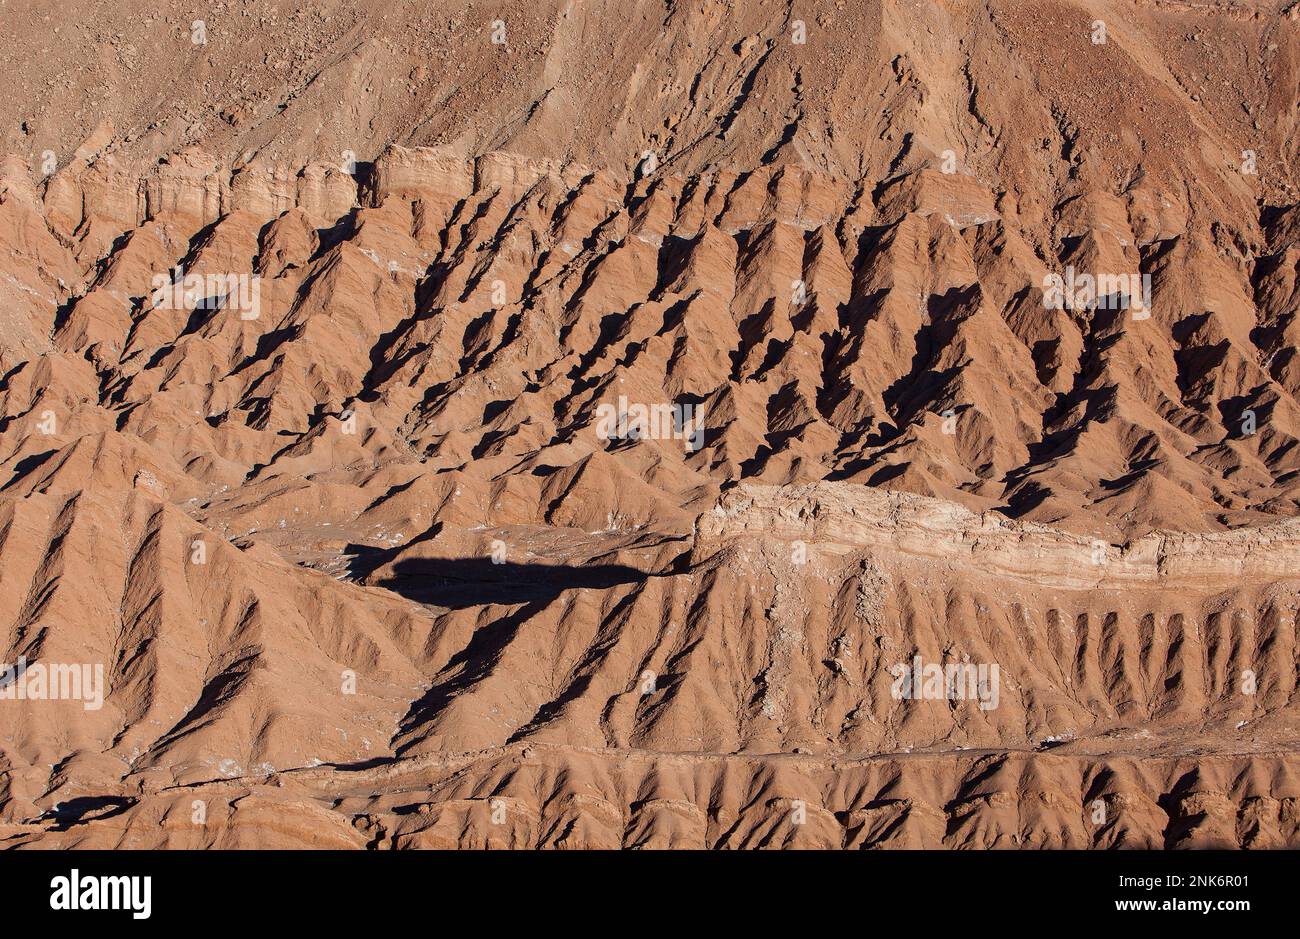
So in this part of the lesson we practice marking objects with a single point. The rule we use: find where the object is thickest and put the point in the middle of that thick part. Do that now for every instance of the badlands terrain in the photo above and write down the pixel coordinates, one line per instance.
(954, 335)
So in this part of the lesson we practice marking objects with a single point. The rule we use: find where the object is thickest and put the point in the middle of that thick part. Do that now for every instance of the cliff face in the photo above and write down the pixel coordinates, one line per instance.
(654, 427)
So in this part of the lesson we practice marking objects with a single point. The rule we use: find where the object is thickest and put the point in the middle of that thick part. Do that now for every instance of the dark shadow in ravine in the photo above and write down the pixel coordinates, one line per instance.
(457, 583)
(85, 809)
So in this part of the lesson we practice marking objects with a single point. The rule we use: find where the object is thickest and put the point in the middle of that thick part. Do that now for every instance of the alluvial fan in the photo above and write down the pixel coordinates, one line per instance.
(642, 424)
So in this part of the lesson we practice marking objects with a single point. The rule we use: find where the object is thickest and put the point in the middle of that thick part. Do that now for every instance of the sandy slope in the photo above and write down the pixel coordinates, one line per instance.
(363, 567)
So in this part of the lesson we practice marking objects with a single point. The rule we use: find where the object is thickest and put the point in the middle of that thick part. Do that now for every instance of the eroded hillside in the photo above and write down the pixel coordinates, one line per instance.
(592, 439)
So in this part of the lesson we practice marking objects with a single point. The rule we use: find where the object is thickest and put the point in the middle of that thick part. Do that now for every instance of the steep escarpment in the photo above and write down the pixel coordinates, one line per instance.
(449, 314)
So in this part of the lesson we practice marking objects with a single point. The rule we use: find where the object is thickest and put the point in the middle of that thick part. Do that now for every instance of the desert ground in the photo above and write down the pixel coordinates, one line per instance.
(636, 423)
